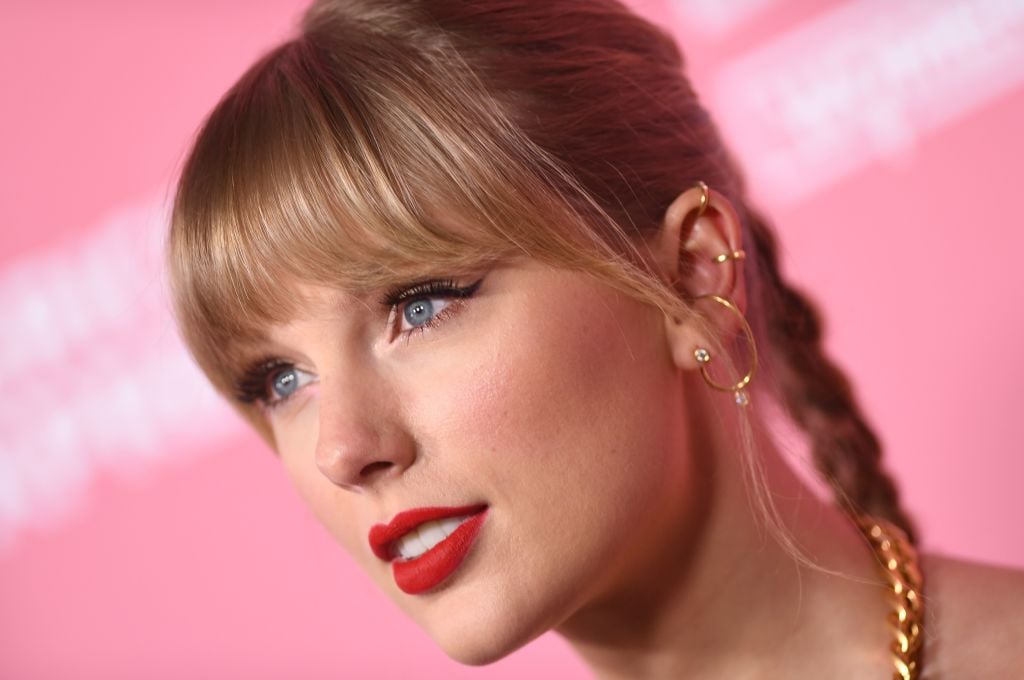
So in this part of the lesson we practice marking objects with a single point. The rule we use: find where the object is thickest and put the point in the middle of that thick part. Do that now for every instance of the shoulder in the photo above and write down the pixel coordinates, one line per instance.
(974, 619)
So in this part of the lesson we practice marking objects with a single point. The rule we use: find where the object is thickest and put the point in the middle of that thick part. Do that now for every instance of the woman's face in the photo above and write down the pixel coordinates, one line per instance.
(543, 394)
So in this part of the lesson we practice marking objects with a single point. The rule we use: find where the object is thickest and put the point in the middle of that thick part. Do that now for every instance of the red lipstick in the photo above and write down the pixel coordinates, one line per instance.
(432, 567)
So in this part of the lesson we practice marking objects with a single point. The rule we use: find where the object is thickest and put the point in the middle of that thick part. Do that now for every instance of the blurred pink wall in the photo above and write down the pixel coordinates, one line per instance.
(144, 533)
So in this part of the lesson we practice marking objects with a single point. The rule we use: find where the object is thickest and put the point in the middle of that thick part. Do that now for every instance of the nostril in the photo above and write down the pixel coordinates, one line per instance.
(373, 467)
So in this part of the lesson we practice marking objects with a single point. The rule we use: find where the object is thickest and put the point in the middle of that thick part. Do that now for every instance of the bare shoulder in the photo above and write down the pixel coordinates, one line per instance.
(974, 620)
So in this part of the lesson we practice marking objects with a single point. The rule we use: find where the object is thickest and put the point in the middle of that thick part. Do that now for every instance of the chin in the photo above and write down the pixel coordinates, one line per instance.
(477, 652)
(477, 643)
(482, 633)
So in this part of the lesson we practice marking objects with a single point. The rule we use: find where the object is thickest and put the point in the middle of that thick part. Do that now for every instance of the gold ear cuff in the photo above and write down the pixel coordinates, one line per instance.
(705, 197)
(705, 200)
(734, 255)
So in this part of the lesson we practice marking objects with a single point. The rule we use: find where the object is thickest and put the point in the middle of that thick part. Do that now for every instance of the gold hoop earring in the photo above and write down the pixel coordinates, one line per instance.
(703, 356)
(705, 197)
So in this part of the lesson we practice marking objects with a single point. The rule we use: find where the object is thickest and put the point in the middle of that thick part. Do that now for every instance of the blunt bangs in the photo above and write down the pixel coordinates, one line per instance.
(310, 172)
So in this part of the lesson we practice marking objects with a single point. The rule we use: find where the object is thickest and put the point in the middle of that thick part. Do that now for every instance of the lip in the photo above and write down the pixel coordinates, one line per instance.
(437, 564)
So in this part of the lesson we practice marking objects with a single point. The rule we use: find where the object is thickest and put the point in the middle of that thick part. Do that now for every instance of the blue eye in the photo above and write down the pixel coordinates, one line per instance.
(285, 383)
(270, 382)
(426, 304)
(419, 312)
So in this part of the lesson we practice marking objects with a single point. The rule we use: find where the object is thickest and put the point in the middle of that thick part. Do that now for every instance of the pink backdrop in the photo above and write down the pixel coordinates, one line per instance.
(887, 145)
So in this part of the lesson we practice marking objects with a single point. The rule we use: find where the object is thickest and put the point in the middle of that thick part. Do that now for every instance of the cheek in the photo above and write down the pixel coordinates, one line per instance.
(597, 395)
(587, 376)
(563, 390)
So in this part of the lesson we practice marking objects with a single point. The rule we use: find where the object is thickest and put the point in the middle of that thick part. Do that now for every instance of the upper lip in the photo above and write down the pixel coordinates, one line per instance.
(382, 536)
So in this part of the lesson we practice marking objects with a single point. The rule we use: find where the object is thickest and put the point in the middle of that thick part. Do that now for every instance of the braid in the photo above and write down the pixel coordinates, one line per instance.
(818, 396)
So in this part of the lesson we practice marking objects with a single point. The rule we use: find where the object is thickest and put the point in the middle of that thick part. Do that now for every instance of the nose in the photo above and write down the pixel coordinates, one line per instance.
(362, 440)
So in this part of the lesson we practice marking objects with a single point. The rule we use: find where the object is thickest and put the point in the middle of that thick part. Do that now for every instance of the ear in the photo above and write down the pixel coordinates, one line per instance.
(686, 249)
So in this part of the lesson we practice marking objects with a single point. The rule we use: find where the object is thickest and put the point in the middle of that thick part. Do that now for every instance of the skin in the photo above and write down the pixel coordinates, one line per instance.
(618, 512)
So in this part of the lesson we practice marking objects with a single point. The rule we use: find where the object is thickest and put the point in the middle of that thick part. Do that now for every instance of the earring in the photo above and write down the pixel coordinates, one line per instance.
(703, 356)
(705, 197)
(734, 255)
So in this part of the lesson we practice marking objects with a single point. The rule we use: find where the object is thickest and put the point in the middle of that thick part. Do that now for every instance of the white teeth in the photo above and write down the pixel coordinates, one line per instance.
(451, 524)
(405, 549)
(426, 536)
(416, 543)
(431, 534)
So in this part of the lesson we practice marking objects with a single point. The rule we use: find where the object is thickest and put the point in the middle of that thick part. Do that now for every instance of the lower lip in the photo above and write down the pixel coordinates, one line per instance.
(434, 566)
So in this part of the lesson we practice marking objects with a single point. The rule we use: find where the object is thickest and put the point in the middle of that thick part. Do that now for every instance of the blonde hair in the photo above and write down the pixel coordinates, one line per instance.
(391, 139)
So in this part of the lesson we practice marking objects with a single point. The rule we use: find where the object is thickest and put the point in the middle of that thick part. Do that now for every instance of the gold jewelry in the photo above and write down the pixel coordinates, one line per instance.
(734, 255)
(899, 562)
(705, 200)
(705, 197)
(703, 356)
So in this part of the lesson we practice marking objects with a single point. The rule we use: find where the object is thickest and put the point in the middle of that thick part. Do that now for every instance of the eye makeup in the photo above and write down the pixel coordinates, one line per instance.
(397, 300)
(430, 287)
(254, 384)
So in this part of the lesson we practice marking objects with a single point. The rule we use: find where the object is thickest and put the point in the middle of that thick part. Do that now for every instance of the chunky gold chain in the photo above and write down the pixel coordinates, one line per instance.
(899, 562)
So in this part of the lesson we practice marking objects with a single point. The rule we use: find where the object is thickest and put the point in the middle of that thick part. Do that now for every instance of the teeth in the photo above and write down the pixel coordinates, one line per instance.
(451, 524)
(416, 543)
(431, 534)
(426, 536)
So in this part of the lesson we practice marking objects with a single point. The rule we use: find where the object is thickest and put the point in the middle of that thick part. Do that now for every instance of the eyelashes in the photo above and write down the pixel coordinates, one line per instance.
(256, 383)
(252, 386)
(399, 294)
(419, 297)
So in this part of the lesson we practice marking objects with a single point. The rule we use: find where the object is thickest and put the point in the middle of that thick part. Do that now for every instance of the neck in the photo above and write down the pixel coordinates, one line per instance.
(724, 598)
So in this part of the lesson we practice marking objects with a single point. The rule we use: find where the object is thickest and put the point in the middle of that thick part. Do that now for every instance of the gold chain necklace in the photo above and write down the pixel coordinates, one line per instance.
(899, 562)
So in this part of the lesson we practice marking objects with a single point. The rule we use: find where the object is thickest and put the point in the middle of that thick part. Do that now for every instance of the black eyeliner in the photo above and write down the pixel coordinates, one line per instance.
(423, 288)
(251, 385)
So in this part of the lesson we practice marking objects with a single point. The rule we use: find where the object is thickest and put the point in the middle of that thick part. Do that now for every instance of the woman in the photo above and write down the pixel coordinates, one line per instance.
(483, 276)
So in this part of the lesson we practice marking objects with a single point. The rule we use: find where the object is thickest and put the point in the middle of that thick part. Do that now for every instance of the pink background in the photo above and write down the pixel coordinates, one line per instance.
(144, 533)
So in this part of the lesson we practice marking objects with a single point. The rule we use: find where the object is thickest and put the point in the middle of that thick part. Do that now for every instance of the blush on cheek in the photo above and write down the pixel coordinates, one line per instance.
(561, 363)
(471, 402)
